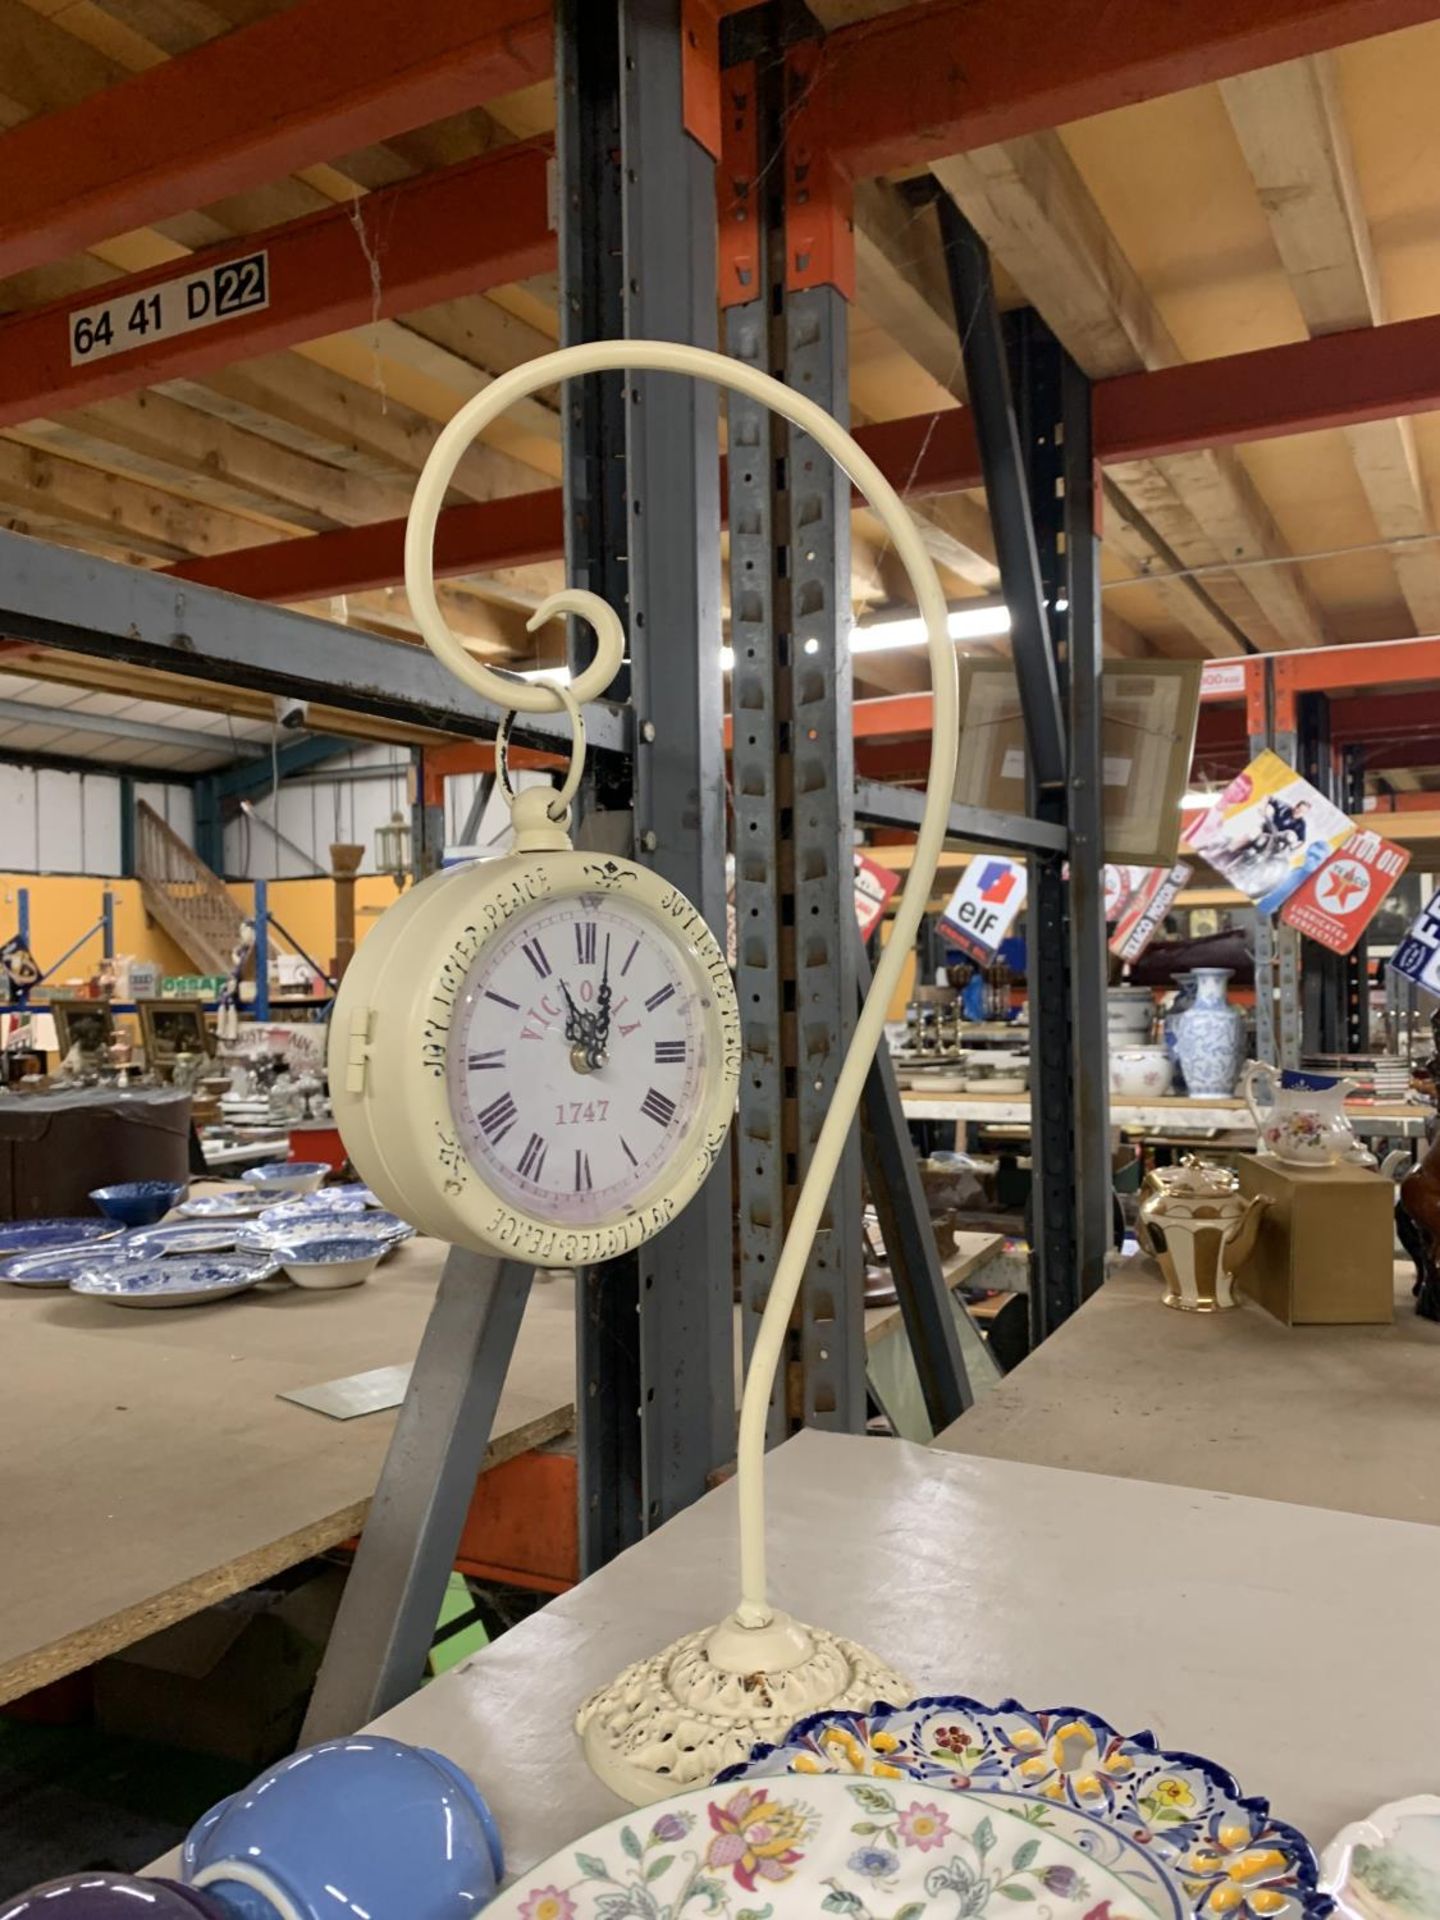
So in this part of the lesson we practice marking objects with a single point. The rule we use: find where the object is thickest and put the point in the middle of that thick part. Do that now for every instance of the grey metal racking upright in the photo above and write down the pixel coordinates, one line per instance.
(645, 114)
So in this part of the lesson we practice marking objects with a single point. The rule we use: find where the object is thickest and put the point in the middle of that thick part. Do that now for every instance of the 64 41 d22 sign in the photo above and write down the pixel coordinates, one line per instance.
(168, 307)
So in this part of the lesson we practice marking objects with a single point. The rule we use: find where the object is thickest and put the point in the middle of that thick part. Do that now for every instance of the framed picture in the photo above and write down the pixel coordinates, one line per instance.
(171, 1027)
(1149, 710)
(88, 1024)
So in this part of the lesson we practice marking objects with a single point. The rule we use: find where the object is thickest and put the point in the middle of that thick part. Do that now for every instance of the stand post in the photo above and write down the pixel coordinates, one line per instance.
(383, 1631)
(895, 1187)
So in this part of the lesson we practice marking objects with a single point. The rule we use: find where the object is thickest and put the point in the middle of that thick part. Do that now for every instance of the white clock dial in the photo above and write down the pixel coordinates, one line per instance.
(576, 1059)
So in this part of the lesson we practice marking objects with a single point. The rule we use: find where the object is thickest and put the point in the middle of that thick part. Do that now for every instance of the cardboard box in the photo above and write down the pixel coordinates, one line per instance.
(233, 1680)
(1325, 1252)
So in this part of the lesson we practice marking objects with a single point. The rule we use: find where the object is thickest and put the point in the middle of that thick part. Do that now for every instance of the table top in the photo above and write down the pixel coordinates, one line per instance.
(150, 1469)
(1222, 1624)
(1337, 1417)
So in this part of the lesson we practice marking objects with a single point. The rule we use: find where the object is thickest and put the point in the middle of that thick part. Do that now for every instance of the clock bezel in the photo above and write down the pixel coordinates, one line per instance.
(396, 1006)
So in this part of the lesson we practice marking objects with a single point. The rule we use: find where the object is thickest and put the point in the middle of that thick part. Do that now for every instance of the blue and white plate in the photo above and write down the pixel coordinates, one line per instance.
(50, 1236)
(179, 1237)
(58, 1269)
(173, 1283)
(318, 1220)
(305, 1206)
(237, 1205)
(1232, 1858)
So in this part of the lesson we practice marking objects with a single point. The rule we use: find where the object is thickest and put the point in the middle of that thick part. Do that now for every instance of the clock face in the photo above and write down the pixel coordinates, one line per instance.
(576, 1059)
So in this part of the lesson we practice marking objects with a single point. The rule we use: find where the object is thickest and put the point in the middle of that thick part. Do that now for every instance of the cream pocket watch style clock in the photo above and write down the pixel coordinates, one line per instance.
(537, 1056)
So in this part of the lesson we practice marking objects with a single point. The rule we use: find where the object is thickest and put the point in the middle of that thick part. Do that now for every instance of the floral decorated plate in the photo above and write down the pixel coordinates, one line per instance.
(1233, 1859)
(172, 1283)
(1388, 1867)
(51, 1236)
(794, 1849)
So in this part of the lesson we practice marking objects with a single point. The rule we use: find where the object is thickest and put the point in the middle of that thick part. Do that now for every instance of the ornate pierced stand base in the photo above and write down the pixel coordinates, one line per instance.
(674, 1720)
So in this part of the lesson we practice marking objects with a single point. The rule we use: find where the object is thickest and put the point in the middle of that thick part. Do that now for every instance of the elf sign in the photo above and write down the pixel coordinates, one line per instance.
(984, 906)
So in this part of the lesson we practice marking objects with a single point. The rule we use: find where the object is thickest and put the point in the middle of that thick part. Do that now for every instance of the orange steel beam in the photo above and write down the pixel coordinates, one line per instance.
(1373, 373)
(474, 756)
(478, 537)
(933, 454)
(320, 78)
(942, 78)
(449, 233)
(1337, 380)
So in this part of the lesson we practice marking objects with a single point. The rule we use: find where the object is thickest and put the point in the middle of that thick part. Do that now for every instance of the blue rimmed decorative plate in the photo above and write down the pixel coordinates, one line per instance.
(1230, 1855)
(303, 1208)
(57, 1269)
(180, 1237)
(235, 1205)
(172, 1283)
(793, 1850)
(359, 1221)
(51, 1236)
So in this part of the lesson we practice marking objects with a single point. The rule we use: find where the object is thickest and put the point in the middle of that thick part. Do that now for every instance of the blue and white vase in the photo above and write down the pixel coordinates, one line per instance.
(1170, 1024)
(1210, 1038)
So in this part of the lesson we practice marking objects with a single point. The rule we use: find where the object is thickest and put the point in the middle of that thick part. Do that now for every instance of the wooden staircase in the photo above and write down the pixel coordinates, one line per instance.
(182, 894)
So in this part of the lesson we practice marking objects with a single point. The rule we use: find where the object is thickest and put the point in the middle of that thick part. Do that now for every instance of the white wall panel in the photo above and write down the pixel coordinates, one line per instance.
(18, 852)
(60, 822)
(100, 822)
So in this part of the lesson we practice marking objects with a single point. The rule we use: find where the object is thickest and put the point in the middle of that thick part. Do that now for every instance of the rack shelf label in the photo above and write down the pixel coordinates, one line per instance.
(182, 305)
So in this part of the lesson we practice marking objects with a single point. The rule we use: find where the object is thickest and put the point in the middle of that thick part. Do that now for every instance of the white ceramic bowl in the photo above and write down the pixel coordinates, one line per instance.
(329, 1263)
(288, 1176)
(1140, 1073)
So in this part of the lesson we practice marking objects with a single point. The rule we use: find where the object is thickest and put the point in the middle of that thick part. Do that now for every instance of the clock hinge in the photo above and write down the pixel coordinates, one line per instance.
(358, 1049)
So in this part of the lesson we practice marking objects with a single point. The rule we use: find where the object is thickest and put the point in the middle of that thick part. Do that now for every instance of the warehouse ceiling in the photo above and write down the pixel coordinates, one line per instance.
(1301, 200)
(38, 717)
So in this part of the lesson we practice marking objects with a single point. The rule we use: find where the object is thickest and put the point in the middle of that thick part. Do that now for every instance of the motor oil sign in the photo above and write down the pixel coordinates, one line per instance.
(874, 885)
(983, 908)
(1342, 897)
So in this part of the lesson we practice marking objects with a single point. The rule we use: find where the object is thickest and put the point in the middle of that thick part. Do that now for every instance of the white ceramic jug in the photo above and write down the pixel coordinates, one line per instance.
(1302, 1121)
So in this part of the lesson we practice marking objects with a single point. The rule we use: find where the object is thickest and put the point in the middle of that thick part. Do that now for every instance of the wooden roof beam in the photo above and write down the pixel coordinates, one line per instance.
(320, 78)
(1291, 129)
(916, 86)
(454, 232)
(1030, 205)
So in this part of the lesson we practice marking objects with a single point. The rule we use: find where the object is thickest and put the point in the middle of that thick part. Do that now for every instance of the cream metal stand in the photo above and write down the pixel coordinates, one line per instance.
(700, 1703)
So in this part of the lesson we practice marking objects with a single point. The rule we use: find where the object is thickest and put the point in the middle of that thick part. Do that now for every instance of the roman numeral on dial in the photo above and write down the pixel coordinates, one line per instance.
(658, 998)
(532, 1161)
(482, 1062)
(669, 1053)
(583, 1182)
(585, 942)
(498, 1118)
(535, 954)
(656, 1107)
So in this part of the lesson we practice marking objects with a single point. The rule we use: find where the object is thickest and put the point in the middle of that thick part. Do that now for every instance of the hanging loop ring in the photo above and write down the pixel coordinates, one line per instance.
(559, 802)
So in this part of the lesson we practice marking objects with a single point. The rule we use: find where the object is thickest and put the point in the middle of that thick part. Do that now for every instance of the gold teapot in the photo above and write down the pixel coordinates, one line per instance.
(1198, 1225)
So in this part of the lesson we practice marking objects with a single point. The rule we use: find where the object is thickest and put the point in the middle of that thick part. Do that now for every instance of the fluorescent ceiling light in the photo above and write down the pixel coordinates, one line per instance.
(986, 622)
